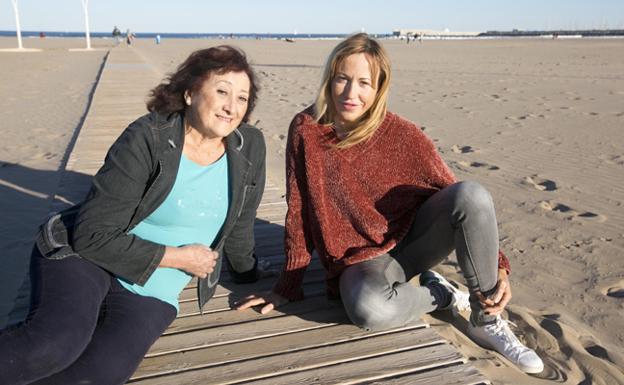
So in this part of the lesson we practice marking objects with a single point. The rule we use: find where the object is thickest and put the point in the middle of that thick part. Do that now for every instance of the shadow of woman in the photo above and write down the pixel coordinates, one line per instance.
(27, 197)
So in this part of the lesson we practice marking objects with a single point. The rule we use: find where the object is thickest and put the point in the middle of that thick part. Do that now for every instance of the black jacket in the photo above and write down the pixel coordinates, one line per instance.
(138, 173)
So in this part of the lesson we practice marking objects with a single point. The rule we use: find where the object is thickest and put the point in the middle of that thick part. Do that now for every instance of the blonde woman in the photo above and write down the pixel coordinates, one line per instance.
(369, 192)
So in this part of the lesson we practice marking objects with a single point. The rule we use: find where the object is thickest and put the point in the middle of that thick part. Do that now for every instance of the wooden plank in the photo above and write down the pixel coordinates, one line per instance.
(242, 366)
(370, 369)
(224, 318)
(452, 375)
(262, 328)
(225, 303)
(238, 291)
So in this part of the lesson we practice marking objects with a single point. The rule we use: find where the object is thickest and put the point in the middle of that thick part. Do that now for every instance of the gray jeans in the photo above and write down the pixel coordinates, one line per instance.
(376, 294)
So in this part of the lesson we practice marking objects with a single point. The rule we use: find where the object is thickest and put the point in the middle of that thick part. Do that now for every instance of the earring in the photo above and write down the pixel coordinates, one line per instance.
(188, 101)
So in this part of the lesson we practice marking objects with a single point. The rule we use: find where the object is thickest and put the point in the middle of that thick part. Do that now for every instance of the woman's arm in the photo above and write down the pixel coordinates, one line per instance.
(100, 230)
(298, 244)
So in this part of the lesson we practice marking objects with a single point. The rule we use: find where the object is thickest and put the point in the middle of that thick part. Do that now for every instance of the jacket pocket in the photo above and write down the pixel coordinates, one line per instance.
(53, 239)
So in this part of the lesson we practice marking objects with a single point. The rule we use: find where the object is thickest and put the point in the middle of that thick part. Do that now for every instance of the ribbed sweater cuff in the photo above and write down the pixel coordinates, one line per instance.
(289, 285)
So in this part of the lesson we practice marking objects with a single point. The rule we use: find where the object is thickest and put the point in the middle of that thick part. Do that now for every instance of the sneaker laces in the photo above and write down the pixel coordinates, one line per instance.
(502, 331)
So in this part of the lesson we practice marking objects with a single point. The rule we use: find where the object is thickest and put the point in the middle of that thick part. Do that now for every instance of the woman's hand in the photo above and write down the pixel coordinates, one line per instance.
(496, 304)
(195, 259)
(270, 300)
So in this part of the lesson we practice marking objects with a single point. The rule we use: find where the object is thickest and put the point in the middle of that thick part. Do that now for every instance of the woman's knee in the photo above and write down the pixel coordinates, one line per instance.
(372, 313)
(369, 309)
(47, 355)
(472, 196)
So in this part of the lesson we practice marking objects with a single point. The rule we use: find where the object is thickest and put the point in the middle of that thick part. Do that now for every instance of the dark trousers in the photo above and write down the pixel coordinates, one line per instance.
(83, 328)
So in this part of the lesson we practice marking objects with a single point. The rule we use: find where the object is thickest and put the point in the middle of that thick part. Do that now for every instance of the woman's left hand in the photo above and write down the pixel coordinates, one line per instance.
(497, 302)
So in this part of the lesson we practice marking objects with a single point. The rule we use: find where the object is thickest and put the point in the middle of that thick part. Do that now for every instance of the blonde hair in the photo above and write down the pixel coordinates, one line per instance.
(325, 111)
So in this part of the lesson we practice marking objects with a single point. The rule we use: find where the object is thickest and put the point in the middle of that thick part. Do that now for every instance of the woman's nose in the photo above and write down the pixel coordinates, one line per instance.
(350, 90)
(228, 105)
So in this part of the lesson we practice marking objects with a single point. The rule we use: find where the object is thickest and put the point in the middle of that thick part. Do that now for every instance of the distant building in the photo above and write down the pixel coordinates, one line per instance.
(432, 33)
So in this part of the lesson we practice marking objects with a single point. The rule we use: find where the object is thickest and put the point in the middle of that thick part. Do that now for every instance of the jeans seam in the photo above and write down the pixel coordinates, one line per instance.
(469, 255)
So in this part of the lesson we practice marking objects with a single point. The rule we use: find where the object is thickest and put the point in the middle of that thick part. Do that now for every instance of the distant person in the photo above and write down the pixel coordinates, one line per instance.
(42, 35)
(157, 39)
(116, 35)
(368, 191)
(178, 193)
(129, 37)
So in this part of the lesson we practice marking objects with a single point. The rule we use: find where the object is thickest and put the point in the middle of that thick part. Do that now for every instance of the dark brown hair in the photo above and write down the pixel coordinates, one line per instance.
(168, 96)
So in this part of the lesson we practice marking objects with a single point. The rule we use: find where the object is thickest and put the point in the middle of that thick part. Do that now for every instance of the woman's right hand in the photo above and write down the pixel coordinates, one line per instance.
(195, 259)
(270, 300)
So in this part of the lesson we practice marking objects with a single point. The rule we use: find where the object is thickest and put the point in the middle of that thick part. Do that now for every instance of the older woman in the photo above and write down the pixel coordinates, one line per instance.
(178, 189)
(369, 192)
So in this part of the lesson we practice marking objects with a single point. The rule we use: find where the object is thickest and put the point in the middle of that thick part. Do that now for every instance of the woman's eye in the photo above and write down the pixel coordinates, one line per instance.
(222, 92)
(243, 99)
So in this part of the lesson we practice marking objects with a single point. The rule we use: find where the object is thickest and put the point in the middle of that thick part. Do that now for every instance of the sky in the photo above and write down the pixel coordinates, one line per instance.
(312, 16)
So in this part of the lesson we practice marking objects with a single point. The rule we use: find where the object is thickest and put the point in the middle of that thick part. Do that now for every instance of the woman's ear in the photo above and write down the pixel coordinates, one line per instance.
(187, 98)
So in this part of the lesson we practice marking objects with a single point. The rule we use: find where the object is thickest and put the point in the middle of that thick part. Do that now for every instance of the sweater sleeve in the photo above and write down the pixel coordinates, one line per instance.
(297, 240)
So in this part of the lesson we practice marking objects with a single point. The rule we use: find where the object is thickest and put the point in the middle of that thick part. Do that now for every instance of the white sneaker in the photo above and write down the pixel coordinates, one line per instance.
(460, 300)
(499, 337)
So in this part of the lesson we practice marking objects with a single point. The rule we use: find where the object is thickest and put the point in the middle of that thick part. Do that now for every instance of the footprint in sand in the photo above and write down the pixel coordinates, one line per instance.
(613, 159)
(594, 348)
(539, 183)
(480, 165)
(278, 137)
(466, 166)
(615, 291)
(570, 213)
(462, 149)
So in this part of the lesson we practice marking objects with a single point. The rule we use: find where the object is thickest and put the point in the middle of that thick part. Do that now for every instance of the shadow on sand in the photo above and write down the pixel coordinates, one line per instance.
(26, 199)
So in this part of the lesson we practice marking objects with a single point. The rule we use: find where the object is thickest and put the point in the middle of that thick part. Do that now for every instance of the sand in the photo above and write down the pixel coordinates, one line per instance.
(44, 96)
(535, 121)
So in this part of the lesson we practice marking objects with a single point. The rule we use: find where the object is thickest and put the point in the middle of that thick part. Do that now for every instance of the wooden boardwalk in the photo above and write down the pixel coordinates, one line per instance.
(306, 342)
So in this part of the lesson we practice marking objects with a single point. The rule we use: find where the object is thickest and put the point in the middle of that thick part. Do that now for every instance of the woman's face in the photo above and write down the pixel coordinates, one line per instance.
(353, 89)
(220, 104)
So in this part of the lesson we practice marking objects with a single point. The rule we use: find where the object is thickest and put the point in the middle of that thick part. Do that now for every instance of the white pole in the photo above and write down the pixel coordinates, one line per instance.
(85, 5)
(17, 25)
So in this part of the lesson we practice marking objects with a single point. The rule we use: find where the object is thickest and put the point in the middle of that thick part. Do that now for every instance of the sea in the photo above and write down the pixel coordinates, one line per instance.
(317, 36)
(152, 35)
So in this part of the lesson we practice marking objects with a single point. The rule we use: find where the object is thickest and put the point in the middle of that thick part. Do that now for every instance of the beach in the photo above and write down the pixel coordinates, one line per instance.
(538, 122)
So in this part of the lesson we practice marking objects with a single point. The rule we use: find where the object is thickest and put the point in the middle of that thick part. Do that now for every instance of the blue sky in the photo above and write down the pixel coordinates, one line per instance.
(313, 16)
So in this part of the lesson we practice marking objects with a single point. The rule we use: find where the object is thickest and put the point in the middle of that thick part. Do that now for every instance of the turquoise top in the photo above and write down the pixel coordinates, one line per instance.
(193, 212)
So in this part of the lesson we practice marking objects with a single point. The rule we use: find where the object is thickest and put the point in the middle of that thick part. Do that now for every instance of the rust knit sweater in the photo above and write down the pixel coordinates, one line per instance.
(354, 204)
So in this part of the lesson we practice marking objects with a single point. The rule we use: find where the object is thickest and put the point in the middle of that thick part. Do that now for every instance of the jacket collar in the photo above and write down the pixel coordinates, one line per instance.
(171, 137)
